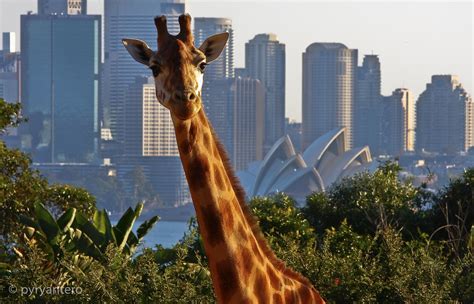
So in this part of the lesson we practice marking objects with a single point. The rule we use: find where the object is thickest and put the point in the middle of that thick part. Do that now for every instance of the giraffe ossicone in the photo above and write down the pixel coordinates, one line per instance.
(243, 267)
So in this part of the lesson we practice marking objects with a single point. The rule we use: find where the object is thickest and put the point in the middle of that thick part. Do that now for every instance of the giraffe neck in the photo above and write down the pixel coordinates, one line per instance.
(222, 224)
(243, 268)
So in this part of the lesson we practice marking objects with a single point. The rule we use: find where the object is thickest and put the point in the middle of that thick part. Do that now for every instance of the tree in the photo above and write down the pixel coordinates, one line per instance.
(21, 186)
(368, 201)
(278, 216)
(453, 212)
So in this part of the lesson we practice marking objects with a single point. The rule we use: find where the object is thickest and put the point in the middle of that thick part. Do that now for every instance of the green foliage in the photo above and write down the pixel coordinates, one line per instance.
(75, 233)
(368, 202)
(278, 215)
(10, 115)
(454, 211)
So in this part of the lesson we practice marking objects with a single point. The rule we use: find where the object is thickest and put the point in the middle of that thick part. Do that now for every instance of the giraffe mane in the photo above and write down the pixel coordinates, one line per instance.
(251, 219)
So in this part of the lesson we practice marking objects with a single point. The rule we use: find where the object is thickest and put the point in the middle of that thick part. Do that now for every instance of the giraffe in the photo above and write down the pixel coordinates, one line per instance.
(243, 268)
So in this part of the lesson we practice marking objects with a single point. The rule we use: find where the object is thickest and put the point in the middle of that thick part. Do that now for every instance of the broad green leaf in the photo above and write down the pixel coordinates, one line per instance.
(146, 227)
(85, 245)
(47, 223)
(102, 224)
(125, 225)
(66, 219)
(88, 228)
(28, 221)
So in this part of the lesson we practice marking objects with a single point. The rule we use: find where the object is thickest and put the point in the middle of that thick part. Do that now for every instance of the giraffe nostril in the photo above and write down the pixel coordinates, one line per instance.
(191, 96)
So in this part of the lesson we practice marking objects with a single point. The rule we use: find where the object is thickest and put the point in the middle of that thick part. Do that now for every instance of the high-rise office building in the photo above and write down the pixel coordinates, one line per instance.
(265, 61)
(62, 7)
(60, 86)
(150, 143)
(213, 96)
(8, 42)
(397, 123)
(240, 103)
(9, 69)
(329, 72)
(133, 119)
(159, 138)
(367, 109)
(219, 109)
(445, 116)
(248, 120)
(129, 19)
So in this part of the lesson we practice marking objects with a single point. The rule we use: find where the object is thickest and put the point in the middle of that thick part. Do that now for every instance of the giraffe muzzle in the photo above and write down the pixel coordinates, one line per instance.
(185, 96)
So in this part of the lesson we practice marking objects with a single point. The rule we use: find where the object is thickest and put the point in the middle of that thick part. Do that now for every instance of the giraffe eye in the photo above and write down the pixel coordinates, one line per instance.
(202, 66)
(156, 70)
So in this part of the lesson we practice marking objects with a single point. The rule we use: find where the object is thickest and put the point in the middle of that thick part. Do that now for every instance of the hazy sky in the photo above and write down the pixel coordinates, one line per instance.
(414, 40)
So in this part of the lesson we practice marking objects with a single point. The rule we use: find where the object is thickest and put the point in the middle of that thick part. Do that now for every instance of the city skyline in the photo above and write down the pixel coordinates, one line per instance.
(409, 52)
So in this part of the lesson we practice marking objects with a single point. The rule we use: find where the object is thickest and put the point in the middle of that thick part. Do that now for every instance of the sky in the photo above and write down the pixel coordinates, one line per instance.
(414, 40)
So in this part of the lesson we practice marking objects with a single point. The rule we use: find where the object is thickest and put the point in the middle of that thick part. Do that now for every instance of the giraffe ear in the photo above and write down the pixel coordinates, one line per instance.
(139, 50)
(213, 46)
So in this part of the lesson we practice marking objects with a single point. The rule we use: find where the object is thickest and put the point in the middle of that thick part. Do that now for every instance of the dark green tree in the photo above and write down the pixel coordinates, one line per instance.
(368, 201)
(21, 186)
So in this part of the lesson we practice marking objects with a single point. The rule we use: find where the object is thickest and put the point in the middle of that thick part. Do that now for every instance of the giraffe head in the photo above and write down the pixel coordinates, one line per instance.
(178, 66)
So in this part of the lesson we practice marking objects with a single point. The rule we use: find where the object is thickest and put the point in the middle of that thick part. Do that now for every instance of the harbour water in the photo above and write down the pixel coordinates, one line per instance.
(166, 233)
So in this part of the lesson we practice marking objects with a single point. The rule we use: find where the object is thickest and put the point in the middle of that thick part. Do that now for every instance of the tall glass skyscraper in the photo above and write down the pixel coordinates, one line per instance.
(367, 104)
(150, 143)
(62, 7)
(329, 72)
(60, 86)
(444, 117)
(129, 19)
(265, 61)
(213, 97)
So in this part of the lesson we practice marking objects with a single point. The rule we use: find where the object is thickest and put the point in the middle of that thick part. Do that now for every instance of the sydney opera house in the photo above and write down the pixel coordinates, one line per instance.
(324, 162)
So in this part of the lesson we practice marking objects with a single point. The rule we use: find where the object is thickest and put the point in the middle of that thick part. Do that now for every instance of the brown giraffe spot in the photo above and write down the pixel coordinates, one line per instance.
(213, 225)
(247, 266)
(277, 298)
(185, 146)
(305, 294)
(227, 214)
(273, 278)
(261, 289)
(290, 296)
(199, 172)
(181, 128)
(192, 133)
(228, 280)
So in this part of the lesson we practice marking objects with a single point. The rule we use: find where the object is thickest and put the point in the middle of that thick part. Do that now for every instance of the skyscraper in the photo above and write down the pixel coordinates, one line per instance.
(213, 98)
(329, 71)
(60, 86)
(129, 19)
(9, 69)
(159, 138)
(248, 106)
(398, 123)
(62, 7)
(265, 61)
(239, 103)
(222, 67)
(445, 116)
(367, 109)
(150, 143)
(8, 42)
